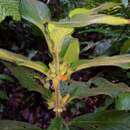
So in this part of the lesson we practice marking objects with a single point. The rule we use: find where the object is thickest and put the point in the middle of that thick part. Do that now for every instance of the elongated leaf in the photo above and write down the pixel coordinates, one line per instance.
(81, 20)
(100, 8)
(107, 120)
(16, 125)
(26, 78)
(105, 6)
(79, 11)
(65, 46)
(119, 60)
(35, 12)
(72, 52)
(9, 8)
(22, 61)
(123, 101)
(103, 87)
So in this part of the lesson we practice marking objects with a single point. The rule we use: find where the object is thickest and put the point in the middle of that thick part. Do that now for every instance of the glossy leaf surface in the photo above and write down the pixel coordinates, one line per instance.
(35, 12)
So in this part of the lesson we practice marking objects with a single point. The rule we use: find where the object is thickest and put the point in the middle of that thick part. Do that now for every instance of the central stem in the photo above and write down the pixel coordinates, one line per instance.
(56, 83)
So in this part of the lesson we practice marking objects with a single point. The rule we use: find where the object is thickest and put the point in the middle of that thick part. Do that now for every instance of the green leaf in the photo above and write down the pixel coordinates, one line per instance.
(79, 11)
(71, 54)
(106, 120)
(58, 34)
(105, 6)
(100, 8)
(3, 95)
(6, 78)
(16, 125)
(9, 8)
(35, 12)
(26, 78)
(56, 124)
(81, 20)
(123, 101)
(22, 61)
(103, 87)
(126, 47)
(119, 60)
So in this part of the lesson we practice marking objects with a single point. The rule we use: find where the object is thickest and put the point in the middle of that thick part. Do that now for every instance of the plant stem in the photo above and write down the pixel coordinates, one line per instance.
(57, 84)
(56, 81)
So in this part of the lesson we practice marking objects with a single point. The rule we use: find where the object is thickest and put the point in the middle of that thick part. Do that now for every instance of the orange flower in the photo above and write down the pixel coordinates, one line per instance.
(63, 77)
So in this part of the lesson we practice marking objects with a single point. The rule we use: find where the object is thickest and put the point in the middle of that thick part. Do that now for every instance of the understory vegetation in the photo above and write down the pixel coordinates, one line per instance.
(64, 65)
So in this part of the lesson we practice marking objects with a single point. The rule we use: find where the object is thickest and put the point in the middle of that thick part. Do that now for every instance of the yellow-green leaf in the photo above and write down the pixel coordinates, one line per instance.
(81, 20)
(22, 61)
(72, 52)
(79, 11)
(118, 60)
(100, 8)
(57, 34)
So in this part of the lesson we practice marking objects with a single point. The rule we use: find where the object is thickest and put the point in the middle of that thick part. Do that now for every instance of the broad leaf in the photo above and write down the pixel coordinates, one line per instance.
(9, 8)
(119, 60)
(58, 34)
(81, 20)
(71, 54)
(16, 125)
(106, 120)
(22, 61)
(35, 12)
(103, 87)
(123, 101)
(26, 78)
